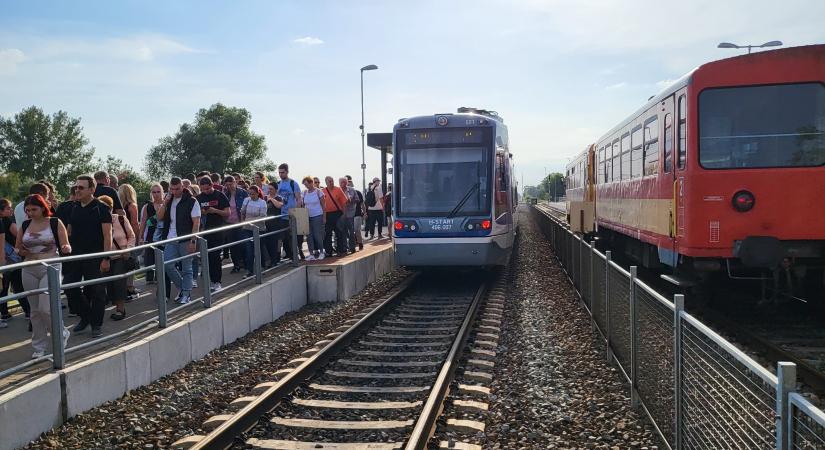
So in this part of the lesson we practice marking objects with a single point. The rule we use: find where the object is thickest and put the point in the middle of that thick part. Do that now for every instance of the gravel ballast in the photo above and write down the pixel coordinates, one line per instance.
(552, 386)
(175, 406)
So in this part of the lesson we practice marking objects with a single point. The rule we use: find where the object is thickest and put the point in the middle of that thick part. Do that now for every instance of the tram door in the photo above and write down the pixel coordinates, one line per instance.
(669, 181)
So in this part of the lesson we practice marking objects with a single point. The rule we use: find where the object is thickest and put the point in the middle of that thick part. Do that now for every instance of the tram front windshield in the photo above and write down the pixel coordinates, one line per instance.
(434, 178)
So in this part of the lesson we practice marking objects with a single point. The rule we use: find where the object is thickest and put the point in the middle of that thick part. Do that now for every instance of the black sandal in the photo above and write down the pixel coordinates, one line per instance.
(118, 315)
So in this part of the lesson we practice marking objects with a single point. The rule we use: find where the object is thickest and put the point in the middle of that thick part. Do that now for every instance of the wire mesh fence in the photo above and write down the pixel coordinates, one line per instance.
(654, 358)
(807, 424)
(699, 390)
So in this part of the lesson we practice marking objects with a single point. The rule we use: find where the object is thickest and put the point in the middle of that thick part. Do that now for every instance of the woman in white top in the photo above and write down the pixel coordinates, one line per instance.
(314, 201)
(123, 237)
(39, 242)
(253, 207)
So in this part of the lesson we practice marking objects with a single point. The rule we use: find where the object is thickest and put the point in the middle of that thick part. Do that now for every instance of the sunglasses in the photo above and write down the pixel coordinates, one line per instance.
(80, 188)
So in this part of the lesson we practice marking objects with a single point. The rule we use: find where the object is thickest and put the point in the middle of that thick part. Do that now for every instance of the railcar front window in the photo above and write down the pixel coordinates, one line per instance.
(434, 180)
(762, 126)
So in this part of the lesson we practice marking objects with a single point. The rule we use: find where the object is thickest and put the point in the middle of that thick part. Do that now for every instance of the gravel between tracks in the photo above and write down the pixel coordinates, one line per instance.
(552, 387)
(175, 406)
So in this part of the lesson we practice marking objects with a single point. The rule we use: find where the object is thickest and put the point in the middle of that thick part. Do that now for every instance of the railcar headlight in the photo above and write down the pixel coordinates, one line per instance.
(743, 201)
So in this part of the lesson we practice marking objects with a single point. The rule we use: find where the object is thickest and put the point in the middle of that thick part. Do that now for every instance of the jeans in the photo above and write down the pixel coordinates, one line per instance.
(182, 279)
(375, 216)
(91, 303)
(237, 251)
(358, 224)
(315, 240)
(347, 225)
(249, 251)
(14, 280)
(36, 277)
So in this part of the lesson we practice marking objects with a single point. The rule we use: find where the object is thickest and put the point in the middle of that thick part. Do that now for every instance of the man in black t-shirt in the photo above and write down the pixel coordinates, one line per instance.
(214, 211)
(90, 231)
(102, 187)
(64, 209)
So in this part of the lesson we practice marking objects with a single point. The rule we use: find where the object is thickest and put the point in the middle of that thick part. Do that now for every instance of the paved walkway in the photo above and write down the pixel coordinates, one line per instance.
(15, 341)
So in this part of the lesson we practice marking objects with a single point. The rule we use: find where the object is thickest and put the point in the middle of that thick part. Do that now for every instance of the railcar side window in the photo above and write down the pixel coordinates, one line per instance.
(668, 143)
(601, 173)
(626, 157)
(682, 132)
(608, 163)
(636, 140)
(651, 151)
(762, 126)
(617, 162)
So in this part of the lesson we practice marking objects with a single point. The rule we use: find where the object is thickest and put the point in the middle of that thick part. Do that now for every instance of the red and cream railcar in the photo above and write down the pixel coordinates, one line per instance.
(724, 168)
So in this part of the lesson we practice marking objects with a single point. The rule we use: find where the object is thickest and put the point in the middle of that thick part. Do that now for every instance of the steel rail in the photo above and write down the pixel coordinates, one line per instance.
(425, 425)
(244, 420)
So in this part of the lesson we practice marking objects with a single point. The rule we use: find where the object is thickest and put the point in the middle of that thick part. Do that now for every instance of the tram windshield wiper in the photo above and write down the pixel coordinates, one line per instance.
(463, 200)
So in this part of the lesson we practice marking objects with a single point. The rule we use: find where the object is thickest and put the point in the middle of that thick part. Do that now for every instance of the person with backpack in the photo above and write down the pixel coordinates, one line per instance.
(375, 210)
(290, 193)
(41, 237)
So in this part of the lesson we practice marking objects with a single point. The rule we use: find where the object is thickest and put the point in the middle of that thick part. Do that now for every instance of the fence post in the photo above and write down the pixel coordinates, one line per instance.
(634, 341)
(293, 233)
(58, 351)
(608, 258)
(256, 249)
(679, 307)
(786, 377)
(592, 286)
(579, 269)
(206, 280)
(160, 277)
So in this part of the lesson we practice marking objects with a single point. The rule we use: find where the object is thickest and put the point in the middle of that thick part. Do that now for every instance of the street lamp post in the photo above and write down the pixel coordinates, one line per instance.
(363, 145)
(749, 47)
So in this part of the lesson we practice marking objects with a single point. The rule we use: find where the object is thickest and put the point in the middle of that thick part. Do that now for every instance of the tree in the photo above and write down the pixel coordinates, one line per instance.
(12, 187)
(219, 140)
(546, 187)
(37, 146)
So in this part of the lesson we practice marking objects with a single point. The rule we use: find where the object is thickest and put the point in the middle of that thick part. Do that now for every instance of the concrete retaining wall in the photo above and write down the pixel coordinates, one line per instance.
(40, 405)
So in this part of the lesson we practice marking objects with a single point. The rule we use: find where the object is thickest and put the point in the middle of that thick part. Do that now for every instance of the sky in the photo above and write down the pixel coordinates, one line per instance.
(560, 73)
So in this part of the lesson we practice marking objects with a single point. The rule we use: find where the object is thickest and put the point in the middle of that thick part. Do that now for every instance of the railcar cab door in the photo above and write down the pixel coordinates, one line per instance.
(669, 184)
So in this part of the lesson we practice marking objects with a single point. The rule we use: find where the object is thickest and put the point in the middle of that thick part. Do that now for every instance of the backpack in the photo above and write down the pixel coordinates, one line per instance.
(371, 198)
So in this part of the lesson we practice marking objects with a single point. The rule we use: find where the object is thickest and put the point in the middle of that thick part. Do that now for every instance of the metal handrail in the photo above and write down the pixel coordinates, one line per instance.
(110, 253)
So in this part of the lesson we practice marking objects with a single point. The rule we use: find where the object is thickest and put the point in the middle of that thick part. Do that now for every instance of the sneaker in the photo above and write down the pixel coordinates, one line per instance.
(97, 332)
(66, 335)
(321, 256)
(194, 284)
(309, 258)
(38, 354)
(215, 287)
(81, 326)
(4, 324)
(184, 299)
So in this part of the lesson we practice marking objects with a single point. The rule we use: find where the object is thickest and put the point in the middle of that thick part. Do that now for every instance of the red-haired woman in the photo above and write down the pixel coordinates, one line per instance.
(41, 237)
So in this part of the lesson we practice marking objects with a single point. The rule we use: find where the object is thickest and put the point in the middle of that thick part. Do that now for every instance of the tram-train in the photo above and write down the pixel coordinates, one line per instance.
(454, 190)
(722, 172)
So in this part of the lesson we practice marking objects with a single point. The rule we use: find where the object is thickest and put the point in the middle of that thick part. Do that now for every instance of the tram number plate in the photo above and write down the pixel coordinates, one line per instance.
(441, 224)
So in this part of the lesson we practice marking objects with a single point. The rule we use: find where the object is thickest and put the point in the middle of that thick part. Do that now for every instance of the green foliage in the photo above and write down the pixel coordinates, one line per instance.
(219, 140)
(545, 188)
(34, 145)
(13, 187)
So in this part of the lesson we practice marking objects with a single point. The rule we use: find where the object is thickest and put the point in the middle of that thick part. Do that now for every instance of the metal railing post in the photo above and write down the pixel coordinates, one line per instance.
(160, 278)
(293, 233)
(206, 280)
(679, 307)
(592, 286)
(634, 341)
(579, 269)
(786, 383)
(58, 350)
(608, 258)
(256, 246)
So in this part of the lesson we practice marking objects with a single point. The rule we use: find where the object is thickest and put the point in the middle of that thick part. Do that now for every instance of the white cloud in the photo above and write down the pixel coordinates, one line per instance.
(9, 59)
(308, 40)
(618, 85)
(137, 48)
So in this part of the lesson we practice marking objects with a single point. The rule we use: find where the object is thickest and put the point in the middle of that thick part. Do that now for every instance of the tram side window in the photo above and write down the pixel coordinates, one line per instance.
(608, 163)
(636, 141)
(617, 162)
(668, 143)
(601, 175)
(626, 173)
(682, 132)
(651, 153)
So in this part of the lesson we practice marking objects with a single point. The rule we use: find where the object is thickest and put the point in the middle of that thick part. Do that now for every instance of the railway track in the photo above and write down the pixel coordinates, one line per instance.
(380, 382)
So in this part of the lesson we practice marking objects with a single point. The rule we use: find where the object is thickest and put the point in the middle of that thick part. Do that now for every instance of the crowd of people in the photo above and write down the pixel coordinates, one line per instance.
(101, 215)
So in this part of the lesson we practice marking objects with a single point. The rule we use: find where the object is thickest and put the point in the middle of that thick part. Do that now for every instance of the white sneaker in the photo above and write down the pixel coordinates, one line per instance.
(215, 287)
(309, 258)
(3, 324)
(38, 354)
(184, 299)
(321, 256)
(66, 335)
(194, 284)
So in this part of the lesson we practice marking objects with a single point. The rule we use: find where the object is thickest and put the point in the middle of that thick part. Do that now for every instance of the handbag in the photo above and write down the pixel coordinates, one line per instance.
(301, 216)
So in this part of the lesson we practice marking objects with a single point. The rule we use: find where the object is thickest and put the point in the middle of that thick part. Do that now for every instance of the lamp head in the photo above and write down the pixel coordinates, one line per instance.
(727, 45)
(369, 67)
(772, 44)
